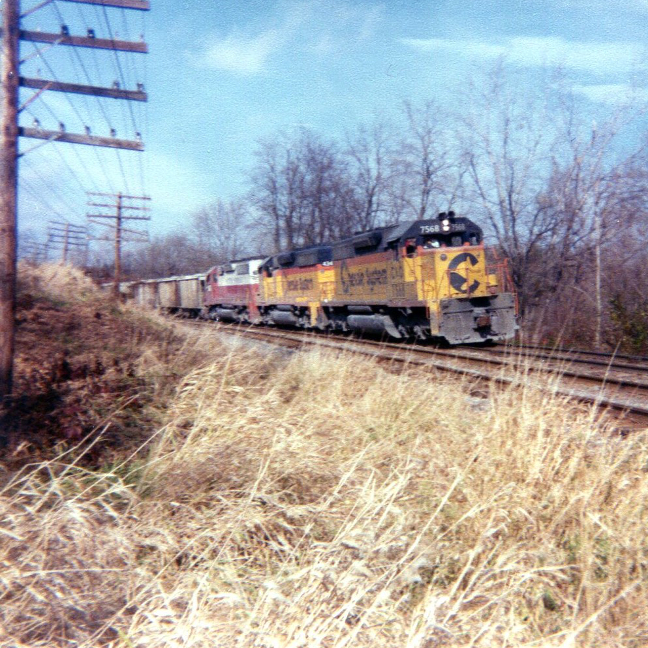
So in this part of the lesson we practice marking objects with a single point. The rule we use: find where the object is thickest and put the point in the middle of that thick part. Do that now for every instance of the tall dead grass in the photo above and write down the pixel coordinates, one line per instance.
(55, 280)
(321, 500)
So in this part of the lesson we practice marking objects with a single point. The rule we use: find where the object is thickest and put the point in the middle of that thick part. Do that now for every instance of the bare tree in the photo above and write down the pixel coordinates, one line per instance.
(276, 189)
(164, 256)
(551, 190)
(507, 140)
(427, 173)
(221, 229)
(597, 199)
(324, 190)
(370, 152)
(301, 190)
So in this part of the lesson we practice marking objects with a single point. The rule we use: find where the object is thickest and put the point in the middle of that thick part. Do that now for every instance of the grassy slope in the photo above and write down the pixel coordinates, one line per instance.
(319, 500)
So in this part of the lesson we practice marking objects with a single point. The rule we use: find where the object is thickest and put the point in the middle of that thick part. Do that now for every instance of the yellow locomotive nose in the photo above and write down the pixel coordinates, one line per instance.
(462, 273)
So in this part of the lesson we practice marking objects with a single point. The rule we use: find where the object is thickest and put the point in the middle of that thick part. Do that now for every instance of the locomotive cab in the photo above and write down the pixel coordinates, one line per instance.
(448, 232)
(467, 299)
(231, 291)
(444, 266)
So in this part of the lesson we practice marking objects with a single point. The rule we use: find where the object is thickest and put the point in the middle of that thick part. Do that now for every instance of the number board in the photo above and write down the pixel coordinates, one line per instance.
(438, 229)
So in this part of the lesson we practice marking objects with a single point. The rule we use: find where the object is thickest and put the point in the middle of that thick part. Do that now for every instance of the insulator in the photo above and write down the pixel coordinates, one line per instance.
(65, 30)
(91, 33)
(140, 87)
(113, 132)
(138, 136)
(87, 130)
(37, 123)
(115, 85)
(62, 127)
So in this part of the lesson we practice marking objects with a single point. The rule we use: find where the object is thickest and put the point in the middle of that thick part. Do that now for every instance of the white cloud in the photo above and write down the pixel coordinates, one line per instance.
(604, 5)
(612, 93)
(325, 27)
(242, 55)
(596, 57)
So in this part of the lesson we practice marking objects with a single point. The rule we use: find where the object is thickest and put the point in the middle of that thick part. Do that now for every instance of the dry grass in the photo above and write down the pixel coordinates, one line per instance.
(58, 280)
(83, 363)
(319, 500)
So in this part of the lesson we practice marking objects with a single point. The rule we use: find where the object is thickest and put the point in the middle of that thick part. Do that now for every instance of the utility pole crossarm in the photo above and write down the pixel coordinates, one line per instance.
(84, 41)
(70, 226)
(72, 138)
(142, 218)
(70, 233)
(117, 195)
(142, 5)
(96, 91)
(94, 204)
(142, 236)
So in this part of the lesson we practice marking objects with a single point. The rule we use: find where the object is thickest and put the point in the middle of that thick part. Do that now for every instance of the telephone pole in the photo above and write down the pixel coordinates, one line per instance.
(35, 252)
(67, 236)
(122, 212)
(8, 188)
(10, 81)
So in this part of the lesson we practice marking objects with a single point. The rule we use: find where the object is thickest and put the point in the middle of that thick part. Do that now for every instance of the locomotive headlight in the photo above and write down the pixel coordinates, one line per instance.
(445, 225)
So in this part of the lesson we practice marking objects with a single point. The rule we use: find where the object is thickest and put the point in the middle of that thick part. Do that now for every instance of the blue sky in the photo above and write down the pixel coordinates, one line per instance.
(221, 75)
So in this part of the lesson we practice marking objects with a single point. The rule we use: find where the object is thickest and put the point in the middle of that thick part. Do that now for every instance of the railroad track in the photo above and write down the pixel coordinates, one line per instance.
(617, 384)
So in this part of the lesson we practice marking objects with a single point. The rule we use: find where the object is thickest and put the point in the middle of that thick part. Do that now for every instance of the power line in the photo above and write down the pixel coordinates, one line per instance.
(76, 112)
(37, 195)
(52, 189)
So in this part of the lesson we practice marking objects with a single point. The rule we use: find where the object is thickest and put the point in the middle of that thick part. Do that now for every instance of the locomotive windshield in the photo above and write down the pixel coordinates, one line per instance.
(456, 239)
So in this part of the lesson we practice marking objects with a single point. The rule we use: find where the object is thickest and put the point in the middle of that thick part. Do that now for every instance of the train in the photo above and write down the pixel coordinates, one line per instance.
(423, 279)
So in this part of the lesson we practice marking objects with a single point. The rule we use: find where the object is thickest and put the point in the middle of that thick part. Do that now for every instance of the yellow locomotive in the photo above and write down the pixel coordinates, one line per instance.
(422, 279)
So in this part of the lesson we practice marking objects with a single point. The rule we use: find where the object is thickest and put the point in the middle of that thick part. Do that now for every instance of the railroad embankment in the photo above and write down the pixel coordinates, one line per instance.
(160, 488)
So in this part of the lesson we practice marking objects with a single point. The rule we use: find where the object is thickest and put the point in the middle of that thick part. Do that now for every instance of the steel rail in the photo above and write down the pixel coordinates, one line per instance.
(411, 355)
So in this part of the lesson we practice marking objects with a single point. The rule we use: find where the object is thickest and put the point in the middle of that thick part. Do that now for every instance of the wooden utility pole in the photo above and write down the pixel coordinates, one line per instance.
(10, 81)
(68, 236)
(35, 252)
(8, 188)
(122, 207)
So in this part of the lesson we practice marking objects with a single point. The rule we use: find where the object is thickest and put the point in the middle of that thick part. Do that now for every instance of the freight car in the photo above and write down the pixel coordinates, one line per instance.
(421, 279)
(145, 293)
(174, 295)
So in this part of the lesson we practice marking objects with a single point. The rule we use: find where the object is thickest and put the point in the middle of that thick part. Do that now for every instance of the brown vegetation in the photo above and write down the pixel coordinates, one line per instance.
(78, 366)
(319, 500)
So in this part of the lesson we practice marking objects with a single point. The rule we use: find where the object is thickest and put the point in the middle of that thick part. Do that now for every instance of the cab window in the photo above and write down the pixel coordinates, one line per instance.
(431, 242)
